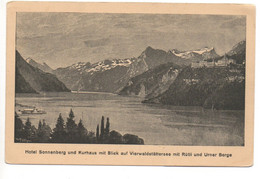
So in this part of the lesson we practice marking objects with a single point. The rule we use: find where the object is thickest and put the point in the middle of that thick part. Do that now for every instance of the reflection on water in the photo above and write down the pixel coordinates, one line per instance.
(156, 124)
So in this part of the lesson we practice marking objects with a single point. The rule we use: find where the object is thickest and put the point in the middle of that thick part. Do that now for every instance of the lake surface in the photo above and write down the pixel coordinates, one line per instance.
(156, 124)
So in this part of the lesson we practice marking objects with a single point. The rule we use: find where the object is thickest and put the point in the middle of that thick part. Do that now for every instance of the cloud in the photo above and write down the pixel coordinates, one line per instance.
(97, 42)
(63, 38)
(241, 22)
(124, 25)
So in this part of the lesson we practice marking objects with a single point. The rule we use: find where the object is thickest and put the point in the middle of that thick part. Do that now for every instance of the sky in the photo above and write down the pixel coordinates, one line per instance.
(62, 39)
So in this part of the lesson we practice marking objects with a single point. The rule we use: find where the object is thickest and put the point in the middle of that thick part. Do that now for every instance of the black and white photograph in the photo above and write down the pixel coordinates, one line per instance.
(130, 79)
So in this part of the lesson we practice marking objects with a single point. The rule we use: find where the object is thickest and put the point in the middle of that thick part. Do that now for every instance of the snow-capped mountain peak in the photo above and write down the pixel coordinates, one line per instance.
(193, 53)
(102, 65)
(203, 50)
(80, 65)
(109, 64)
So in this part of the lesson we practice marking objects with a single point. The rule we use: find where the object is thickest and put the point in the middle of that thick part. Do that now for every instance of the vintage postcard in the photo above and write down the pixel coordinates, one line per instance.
(130, 84)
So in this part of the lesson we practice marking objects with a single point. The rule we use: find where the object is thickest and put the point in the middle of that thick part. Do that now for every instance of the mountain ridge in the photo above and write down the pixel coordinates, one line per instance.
(44, 67)
(238, 52)
(211, 87)
(33, 80)
(86, 76)
(154, 81)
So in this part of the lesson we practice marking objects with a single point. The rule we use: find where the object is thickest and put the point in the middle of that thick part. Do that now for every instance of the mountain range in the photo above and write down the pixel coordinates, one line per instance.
(113, 75)
(216, 88)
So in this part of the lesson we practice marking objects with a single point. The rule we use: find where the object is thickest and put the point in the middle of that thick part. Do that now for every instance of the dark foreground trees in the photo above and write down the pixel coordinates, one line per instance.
(114, 137)
(28, 133)
(59, 132)
(70, 132)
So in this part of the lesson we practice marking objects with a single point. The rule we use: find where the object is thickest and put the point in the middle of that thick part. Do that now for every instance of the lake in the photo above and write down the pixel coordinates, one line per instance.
(156, 124)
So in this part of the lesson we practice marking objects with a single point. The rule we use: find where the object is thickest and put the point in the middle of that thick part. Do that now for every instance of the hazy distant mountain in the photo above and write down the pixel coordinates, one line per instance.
(238, 52)
(200, 54)
(44, 67)
(31, 79)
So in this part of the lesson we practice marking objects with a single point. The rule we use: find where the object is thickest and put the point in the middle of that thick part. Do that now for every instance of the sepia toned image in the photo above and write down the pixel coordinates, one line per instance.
(158, 79)
(130, 84)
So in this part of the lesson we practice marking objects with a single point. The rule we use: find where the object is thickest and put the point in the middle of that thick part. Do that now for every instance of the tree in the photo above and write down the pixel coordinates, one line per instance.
(71, 114)
(29, 131)
(102, 128)
(132, 139)
(34, 134)
(19, 128)
(107, 130)
(97, 132)
(40, 125)
(59, 133)
(46, 127)
(43, 123)
(39, 132)
(115, 138)
(91, 137)
(82, 133)
(43, 132)
(71, 128)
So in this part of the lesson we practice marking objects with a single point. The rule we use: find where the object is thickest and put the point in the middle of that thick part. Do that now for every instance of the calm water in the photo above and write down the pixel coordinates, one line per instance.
(156, 124)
